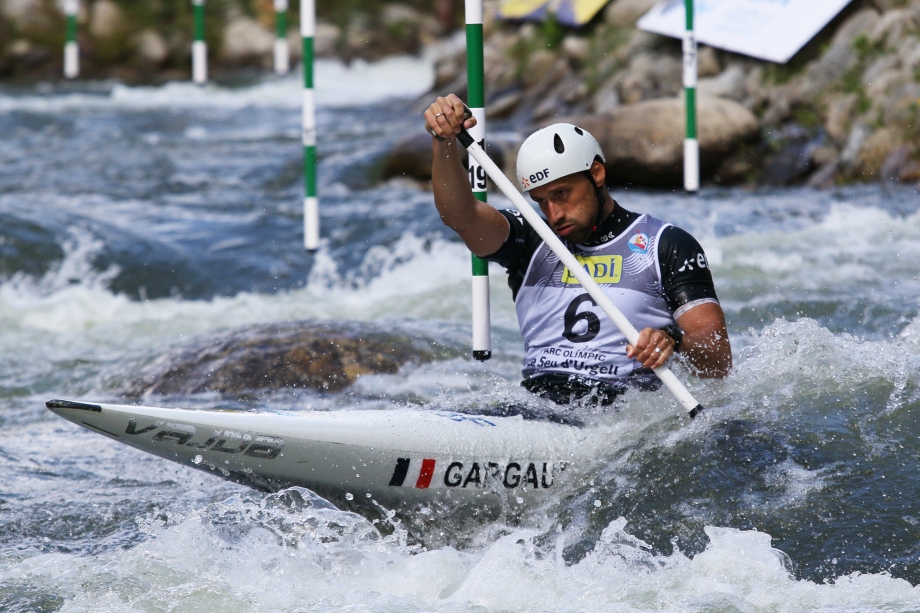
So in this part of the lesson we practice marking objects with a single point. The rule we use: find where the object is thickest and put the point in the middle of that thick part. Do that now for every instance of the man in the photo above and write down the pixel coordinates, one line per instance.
(657, 274)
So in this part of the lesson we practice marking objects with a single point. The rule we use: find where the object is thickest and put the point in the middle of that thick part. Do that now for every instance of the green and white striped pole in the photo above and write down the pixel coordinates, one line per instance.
(282, 54)
(475, 78)
(199, 47)
(691, 144)
(71, 51)
(310, 202)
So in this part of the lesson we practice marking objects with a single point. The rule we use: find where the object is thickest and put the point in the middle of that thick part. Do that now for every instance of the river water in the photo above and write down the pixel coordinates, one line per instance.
(134, 220)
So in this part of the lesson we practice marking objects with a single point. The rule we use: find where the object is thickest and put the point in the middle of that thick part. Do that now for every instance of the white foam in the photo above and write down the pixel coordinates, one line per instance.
(850, 244)
(414, 279)
(336, 84)
(242, 555)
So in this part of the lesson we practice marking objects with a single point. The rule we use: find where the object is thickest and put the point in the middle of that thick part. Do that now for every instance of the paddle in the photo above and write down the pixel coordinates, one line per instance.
(587, 281)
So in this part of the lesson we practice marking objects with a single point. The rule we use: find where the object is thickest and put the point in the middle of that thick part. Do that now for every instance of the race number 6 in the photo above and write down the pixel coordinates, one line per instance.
(573, 317)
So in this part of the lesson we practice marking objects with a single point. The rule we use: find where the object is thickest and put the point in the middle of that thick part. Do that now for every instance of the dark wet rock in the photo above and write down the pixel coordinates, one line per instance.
(896, 164)
(502, 106)
(793, 160)
(320, 356)
(824, 177)
(643, 142)
(790, 165)
(411, 157)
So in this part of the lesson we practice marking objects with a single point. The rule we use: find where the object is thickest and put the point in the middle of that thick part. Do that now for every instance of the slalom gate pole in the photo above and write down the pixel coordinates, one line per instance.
(310, 202)
(475, 78)
(199, 47)
(565, 256)
(282, 53)
(691, 144)
(71, 50)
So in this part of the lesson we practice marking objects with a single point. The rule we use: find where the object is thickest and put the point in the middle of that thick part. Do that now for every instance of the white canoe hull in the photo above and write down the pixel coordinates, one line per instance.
(396, 458)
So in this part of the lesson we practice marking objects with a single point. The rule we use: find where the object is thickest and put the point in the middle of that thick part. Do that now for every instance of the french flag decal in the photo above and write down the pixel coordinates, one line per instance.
(401, 472)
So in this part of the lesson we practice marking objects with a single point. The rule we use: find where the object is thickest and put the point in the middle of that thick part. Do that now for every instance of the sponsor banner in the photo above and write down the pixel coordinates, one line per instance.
(772, 30)
(572, 13)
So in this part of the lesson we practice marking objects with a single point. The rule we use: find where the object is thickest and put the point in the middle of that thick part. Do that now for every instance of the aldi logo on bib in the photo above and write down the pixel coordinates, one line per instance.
(604, 268)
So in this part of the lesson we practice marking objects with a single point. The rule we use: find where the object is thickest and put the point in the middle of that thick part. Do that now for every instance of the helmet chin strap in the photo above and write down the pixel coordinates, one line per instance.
(601, 201)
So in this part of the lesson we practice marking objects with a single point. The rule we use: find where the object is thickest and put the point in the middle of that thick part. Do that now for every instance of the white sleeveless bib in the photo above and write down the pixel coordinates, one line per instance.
(565, 331)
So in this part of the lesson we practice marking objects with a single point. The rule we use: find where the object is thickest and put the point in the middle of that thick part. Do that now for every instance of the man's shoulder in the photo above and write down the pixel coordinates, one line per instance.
(521, 242)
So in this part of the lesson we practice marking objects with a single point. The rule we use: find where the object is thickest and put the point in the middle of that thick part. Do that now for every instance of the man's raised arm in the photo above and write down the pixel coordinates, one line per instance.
(481, 227)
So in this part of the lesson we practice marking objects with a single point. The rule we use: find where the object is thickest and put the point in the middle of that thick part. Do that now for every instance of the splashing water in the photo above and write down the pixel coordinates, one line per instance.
(794, 490)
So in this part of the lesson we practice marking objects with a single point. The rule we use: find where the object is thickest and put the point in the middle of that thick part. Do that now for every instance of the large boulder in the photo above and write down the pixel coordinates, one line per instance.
(410, 157)
(730, 83)
(643, 142)
(106, 19)
(29, 16)
(649, 76)
(246, 41)
(319, 356)
(151, 48)
(625, 13)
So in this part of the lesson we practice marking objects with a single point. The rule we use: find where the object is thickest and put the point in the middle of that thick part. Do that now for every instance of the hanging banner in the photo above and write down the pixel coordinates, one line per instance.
(772, 30)
(572, 13)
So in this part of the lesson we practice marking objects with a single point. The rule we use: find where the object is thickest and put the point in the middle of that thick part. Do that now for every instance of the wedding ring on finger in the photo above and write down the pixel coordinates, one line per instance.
(657, 349)
(438, 115)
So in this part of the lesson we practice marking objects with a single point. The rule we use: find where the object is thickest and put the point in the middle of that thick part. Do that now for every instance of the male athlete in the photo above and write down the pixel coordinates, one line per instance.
(655, 273)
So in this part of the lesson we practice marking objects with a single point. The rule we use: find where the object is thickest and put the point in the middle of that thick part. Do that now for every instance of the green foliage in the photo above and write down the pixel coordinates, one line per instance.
(908, 122)
(851, 83)
(807, 116)
(867, 50)
(602, 62)
(552, 32)
(519, 54)
(778, 74)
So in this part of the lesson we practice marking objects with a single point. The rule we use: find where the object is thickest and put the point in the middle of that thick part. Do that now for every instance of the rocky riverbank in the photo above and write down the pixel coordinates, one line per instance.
(845, 109)
(151, 41)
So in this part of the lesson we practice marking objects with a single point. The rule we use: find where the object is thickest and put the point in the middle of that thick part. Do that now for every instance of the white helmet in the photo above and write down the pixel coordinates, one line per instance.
(554, 152)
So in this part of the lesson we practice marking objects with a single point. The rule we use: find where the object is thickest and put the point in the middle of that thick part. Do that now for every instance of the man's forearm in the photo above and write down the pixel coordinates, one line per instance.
(450, 185)
(481, 227)
(705, 343)
(709, 352)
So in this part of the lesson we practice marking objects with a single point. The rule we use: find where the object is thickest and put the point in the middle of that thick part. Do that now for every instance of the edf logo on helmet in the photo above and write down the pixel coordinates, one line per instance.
(558, 150)
(535, 177)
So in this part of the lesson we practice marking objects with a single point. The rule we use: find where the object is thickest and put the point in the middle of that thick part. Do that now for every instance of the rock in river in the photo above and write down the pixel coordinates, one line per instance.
(326, 356)
(643, 142)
